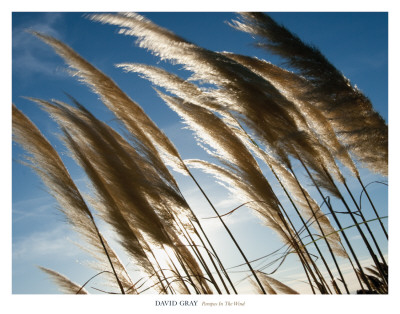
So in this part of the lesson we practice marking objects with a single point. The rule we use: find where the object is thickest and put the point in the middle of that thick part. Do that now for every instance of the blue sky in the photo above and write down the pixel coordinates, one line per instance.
(356, 43)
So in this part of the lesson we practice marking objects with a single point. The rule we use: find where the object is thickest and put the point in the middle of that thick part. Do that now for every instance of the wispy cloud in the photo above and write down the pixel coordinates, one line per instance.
(33, 207)
(39, 211)
(355, 238)
(53, 242)
(30, 55)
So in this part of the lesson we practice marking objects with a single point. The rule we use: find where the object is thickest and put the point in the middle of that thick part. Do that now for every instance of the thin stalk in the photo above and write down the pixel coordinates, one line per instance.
(208, 241)
(346, 240)
(177, 272)
(355, 271)
(338, 223)
(289, 197)
(374, 257)
(87, 281)
(308, 278)
(216, 256)
(196, 251)
(162, 272)
(323, 283)
(178, 257)
(298, 213)
(304, 261)
(326, 240)
(203, 262)
(306, 269)
(316, 246)
(108, 256)
(178, 222)
(366, 225)
(373, 207)
(230, 234)
(211, 259)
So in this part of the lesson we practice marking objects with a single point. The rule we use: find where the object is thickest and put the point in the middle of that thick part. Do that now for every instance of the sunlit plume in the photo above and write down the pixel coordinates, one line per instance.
(292, 85)
(130, 113)
(48, 165)
(274, 286)
(66, 285)
(349, 111)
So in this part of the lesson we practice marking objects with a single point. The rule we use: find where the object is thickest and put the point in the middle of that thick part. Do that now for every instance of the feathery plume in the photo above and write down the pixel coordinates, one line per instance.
(292, 86)
(243, 191)
(129, 112)
(275, 286)
(190, 92)
(253, 98)
(227, 148)
(142, 197)
(120, 170)
(65, 285)
(110, 213)
(350, 112)
(48, 165)
(174, 84)
(309, 207)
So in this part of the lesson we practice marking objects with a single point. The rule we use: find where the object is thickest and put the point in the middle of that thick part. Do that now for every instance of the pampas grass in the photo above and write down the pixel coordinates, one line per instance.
(350, 112)
(64, 283)
(252, 111)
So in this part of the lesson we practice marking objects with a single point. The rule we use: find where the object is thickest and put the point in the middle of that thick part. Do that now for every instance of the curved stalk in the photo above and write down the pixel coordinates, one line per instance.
(373, 206)
(231, 235)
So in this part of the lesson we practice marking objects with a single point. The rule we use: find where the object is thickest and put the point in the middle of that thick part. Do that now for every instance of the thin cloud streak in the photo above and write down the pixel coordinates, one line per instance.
(44, 244)
(27, 62)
